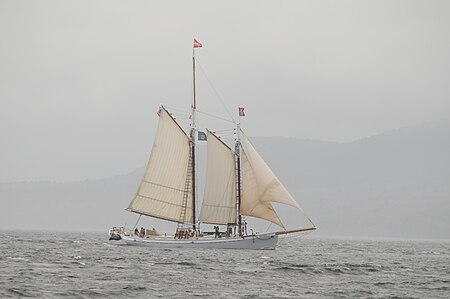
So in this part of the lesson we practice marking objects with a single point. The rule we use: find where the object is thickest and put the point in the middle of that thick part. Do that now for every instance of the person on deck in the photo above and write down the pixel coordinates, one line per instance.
(216, 231)
(245, 226)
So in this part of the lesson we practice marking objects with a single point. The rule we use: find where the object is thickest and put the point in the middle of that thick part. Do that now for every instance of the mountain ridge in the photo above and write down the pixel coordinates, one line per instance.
(394, 184)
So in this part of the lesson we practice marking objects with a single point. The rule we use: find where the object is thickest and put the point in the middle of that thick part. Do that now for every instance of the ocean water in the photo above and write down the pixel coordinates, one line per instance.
(86, 265)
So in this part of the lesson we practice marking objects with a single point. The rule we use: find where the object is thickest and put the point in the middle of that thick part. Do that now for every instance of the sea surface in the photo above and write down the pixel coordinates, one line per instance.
(87, 265)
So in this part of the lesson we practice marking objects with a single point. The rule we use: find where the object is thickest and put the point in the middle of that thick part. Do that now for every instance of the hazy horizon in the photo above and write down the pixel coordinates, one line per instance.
(131, 170)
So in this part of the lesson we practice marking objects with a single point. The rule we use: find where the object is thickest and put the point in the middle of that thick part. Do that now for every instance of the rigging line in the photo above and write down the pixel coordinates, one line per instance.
(184, 122)
(287, 239)
(179, 119)
(310, 220)
(178, 110)
(215, 91)
(218, 117)
(224, 130)
(137, 221)
(226, 137)
(281, 240)
(183, 115)
(180, 115)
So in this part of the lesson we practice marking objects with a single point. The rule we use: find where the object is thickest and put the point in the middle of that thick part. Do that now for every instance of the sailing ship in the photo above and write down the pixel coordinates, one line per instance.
(238, 184)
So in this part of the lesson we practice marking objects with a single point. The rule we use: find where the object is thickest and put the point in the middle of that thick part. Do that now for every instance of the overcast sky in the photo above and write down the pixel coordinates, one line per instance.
(80, 81)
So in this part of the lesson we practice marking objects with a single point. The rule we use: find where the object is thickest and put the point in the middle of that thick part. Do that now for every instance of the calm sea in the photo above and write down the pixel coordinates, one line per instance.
(77, 265)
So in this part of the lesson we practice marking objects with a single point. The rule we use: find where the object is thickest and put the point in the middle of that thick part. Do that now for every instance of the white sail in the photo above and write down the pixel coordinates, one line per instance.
(165, 189)
(219, 200)
(260, 187)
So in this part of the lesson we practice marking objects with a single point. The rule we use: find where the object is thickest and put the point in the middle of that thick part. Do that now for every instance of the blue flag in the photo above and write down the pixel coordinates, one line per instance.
(201, 136)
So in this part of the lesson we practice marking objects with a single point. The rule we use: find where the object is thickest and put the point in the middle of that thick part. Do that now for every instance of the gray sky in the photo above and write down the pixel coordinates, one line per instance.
(80, 81)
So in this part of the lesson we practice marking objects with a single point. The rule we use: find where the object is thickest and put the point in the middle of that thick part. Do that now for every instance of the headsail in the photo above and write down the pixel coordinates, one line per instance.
(165, 189)
(260, 187)
(219, 200)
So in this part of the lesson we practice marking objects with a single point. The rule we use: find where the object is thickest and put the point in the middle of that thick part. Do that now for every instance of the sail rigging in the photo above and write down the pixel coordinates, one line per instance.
(219, 200)
(165, 190)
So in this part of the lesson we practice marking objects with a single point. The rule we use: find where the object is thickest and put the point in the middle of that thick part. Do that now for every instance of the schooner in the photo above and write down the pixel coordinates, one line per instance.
(238, 183)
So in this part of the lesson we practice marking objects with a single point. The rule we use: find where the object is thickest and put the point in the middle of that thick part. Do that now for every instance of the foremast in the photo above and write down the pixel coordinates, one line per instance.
(192, 149)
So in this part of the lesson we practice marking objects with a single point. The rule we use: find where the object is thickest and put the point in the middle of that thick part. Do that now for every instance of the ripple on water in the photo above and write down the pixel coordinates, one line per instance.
(46, 265)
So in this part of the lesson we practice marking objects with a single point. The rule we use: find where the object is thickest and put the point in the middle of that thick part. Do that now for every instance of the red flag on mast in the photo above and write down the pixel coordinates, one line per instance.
(241, 111)
(197, 44)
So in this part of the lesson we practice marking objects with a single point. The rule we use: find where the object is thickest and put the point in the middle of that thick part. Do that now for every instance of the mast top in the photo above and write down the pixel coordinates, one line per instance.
(197, 44)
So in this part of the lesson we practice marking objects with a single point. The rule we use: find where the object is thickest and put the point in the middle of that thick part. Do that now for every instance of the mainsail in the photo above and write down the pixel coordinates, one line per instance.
(260, 187)
(219, 200)
(165, 189)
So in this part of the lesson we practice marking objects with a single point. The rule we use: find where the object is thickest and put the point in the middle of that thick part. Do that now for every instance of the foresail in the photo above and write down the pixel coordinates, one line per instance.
(164, 191)
(219, 200)
(251, 204)
(260, 187)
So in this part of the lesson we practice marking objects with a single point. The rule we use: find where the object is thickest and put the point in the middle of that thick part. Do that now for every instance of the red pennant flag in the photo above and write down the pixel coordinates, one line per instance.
(241, 111)
(197, 44)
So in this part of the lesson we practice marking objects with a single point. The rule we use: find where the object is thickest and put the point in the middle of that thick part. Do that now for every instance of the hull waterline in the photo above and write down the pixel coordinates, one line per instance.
(260, 241)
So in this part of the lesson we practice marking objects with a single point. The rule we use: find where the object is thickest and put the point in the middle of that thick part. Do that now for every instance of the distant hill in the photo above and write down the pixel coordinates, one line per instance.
(395, 184)
(85, 205)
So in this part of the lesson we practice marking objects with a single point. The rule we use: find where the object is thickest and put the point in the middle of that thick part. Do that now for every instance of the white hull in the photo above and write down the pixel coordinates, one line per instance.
(260, 241)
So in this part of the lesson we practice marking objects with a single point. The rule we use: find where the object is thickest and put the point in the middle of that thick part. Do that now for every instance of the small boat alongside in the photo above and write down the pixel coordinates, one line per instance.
(116, 233)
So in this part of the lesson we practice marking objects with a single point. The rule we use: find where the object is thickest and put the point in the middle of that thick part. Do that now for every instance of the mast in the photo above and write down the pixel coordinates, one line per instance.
(238, 177)
(197, 44)
(193, 128)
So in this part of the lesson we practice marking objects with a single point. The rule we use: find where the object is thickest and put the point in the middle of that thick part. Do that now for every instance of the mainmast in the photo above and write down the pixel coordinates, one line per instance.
(193, 127)
(192, 135)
